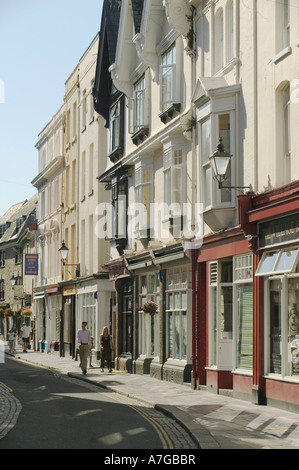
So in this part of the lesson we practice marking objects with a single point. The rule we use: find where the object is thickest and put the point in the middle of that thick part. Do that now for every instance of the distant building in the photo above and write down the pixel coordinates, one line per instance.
(17, 239)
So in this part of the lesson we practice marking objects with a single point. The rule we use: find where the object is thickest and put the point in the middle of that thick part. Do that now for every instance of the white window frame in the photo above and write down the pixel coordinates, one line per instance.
(168, 61)
(284, 313)
(178, 284)
(142, 185)
(149, 346)
(275, 266)
(174, 161)
(139, 102)
(114, 125)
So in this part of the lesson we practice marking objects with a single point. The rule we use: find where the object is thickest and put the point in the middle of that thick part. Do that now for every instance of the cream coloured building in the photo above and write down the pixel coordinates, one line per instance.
(93, 289)
(47, 298)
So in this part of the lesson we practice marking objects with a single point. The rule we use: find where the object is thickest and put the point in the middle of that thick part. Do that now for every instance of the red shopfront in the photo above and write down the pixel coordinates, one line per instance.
(241, 309)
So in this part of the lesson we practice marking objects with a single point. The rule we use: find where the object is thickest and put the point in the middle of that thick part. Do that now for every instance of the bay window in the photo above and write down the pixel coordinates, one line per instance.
(212, 128)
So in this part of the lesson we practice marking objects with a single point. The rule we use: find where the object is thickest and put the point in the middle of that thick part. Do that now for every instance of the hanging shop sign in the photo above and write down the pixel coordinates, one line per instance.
(279, 231)
(31, 264)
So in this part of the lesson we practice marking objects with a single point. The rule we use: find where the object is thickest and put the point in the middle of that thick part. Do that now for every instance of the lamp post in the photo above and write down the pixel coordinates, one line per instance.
(220, 161)
(63, 253)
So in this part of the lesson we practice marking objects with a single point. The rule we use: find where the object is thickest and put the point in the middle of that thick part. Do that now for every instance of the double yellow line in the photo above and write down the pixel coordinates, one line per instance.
(5, 387)
(166, 442)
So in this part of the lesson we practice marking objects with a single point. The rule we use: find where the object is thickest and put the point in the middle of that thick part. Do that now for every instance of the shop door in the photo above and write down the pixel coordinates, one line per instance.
(225, 353)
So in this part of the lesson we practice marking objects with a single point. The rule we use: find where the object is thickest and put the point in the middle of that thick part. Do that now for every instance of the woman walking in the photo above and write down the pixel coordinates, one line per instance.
(106, 349)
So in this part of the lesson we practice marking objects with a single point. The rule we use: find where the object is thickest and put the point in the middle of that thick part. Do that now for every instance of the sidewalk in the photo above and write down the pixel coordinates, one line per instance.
(214, 421)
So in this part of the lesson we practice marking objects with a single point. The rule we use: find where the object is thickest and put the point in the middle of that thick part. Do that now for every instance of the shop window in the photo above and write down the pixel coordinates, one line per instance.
(176, 313)
(275, 327)
(292, 325)
(149, 290)
(282, 327)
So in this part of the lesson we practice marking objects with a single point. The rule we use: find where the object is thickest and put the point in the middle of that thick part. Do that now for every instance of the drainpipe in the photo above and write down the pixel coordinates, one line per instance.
(78, 168)
(255, 95)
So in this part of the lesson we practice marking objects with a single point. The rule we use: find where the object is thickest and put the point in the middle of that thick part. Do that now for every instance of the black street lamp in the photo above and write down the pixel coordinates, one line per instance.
(64, 252)
(220, 161)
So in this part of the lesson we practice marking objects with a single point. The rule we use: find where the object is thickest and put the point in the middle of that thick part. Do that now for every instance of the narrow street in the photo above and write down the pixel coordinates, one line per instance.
(52, 412)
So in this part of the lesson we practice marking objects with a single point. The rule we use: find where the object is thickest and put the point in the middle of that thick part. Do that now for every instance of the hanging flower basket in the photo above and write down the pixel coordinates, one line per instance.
(149, 307)
(26, 312)
(8, 312)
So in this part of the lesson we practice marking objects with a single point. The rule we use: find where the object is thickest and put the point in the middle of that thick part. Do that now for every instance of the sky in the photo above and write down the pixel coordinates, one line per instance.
(41, 42)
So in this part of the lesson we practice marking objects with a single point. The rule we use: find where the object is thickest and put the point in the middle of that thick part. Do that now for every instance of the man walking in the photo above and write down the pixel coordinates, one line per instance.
(84, 342)
(26, 330)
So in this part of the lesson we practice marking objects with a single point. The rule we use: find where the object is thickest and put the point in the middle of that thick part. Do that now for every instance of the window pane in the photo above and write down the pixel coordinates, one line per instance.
(267, 263)
(170, 334)
(170, 301)
(205, 141)
(226, 312)
(184, 335)
(177, 335)
(224, 132)
(286, 261)
(275, 327)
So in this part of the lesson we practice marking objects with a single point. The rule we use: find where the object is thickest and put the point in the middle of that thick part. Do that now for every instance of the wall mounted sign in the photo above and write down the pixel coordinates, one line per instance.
(279, 231)
(31, 265)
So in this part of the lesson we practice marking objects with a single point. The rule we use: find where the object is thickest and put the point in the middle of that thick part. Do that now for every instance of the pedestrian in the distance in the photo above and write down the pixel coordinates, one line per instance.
(11, 339)
(84, 342)
(25, 335)
(106, 346)
(90, 352)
